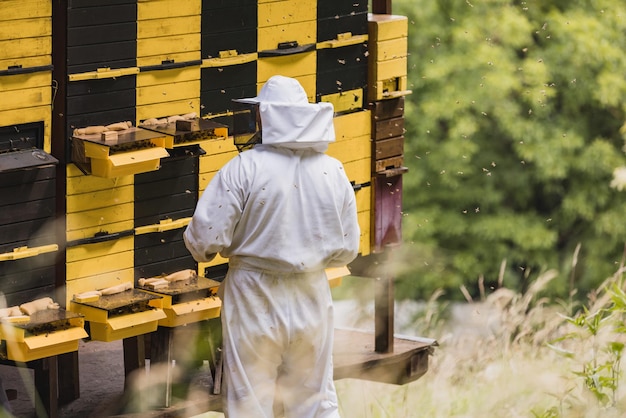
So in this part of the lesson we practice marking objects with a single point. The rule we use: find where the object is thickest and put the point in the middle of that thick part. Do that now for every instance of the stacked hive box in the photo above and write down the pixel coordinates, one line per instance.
(387, 74)
(287, 42)
(342, 54)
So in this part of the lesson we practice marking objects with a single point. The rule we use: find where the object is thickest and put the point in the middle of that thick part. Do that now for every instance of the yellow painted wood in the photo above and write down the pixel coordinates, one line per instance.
(286, 12)
(25, 62)
(100, 217)
(383, 70)
(228, 58)
(364, 223)
(99, 249)
(90, 232)
(359, 171)
(104, 72)
(213, 162)
(27, 252)
(304, 33)
(25, 47)
(343, 39)
(351, 149)
(389, 49)
(100, 199)
(11, 10)
(34, 114)
(28, 28)
(160, 9)
(175, 56)
(189, 312)
(218, 146)
(79, 183)
(204, 180)
(25, 98)
(165, 47)
(126, 326)
(46, 345)
(28, 81)
(168, 26)
(177, 75)
(363, 199)
(159, 110)
(187, 90)
(10, 332)
(164, 225)
(345, 101)
(353, 125)
(124, 164)
(388, 89)
(382, 27)
(99, 265)
(299, 66)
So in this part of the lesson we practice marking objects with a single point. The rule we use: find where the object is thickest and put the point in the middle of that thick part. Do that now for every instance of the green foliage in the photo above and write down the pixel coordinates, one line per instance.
(513, 133)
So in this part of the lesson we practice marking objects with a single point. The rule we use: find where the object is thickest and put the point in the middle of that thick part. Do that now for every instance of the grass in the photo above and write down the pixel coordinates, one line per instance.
(511, 355)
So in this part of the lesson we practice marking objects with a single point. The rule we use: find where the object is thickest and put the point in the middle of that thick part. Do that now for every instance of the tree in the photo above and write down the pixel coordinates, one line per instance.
(513, 133)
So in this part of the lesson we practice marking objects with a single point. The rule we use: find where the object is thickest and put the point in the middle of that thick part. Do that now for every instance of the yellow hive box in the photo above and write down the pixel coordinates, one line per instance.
(120, 158)
(60, 332)
(115, 317)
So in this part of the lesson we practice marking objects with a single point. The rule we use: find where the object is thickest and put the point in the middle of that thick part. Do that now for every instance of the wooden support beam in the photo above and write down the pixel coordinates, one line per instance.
(382, 7)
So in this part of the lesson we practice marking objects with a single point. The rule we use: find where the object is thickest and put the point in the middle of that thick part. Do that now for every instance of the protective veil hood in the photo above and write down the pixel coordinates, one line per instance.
(289, 120)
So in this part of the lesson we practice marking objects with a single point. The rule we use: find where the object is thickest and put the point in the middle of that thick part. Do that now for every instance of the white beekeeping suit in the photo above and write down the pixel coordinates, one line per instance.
(281, 213)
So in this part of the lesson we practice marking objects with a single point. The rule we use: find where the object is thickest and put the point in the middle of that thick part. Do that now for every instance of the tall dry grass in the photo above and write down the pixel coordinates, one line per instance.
(513, 355)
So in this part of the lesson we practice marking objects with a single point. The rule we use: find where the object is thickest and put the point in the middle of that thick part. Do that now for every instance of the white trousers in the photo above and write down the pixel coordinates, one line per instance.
(277, 340)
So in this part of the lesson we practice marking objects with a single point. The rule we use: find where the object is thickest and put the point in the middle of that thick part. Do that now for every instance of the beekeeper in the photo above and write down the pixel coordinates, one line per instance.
(281, 213)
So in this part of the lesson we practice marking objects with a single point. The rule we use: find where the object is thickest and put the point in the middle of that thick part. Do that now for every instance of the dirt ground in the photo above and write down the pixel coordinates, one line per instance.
(101, 370)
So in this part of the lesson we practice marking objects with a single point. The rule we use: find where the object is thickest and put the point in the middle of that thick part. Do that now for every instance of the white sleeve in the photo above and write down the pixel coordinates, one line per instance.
(217, 213)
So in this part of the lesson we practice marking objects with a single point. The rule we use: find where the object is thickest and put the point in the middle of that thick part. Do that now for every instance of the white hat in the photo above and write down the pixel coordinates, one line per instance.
(287, 117)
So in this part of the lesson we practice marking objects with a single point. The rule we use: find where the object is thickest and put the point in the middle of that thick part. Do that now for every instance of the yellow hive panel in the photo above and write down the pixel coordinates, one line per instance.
(100, 217)
(187, 90)
(25, 62)
(28, 81)
(24, 98)
(363, 198)
(286, 11)
(383, 70)
(178, 107)
(126, 326)
(218, 146)
(364, 224)
(159, 9)
(176, 75)
(351, 149)
(204, 180)
(25, 9)
(382, 27)
(78, 183)
(48, 345)
(353, 125)
(28, 47)
(168, 26)
(100, 199)
(345, 101)
(190, 312)
(100, 265)
(213, 162)
(163, 48)
(29, 28)
(100, 249)
(359, 171)
(388, 50)
(110, 228)
(304, 33)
